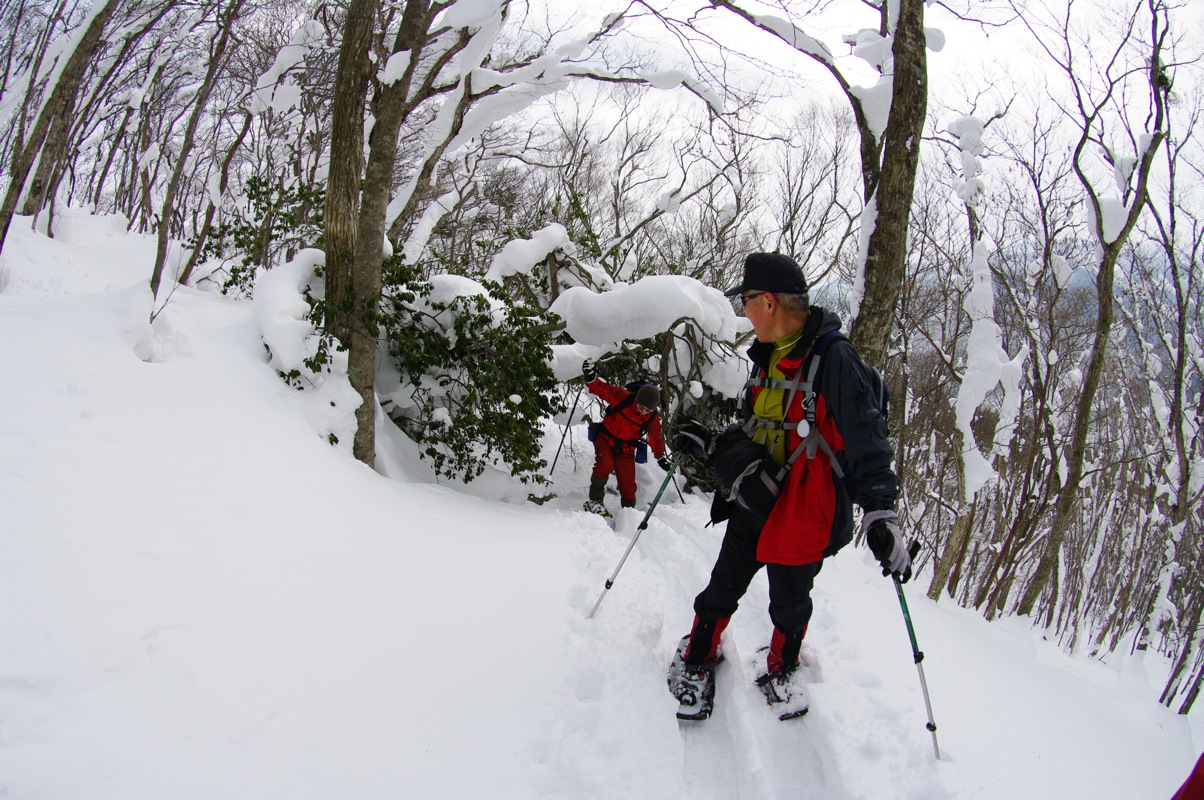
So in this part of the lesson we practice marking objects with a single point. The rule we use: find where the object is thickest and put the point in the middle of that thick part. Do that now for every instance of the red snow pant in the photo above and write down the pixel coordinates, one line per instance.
(612, 455)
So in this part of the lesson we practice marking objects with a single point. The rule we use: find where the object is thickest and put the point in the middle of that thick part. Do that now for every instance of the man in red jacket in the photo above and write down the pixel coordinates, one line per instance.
(629, 416)
(814, 439)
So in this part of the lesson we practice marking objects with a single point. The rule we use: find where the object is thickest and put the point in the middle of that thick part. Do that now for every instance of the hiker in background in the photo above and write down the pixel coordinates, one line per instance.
(814, 439)
(631, 414)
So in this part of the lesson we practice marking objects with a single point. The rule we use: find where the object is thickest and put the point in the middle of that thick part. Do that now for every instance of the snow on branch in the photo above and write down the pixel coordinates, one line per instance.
(484, 97)
(644, 309)
(471, 14)
(791, 35)
(968, 131)
(872, 47)
(271, 90)
(421, 235)
(987, 363)
(520, 256)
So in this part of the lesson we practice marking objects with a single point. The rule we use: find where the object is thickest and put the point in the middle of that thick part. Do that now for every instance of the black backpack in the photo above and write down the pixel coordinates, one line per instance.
(878, 389)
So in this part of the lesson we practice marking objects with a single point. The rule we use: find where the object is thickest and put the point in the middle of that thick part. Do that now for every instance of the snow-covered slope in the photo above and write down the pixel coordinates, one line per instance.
(200, 597)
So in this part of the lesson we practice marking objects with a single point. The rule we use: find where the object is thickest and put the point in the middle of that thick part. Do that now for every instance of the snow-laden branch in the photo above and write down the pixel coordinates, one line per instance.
(271, 90)
(484, 96)
(987, 363)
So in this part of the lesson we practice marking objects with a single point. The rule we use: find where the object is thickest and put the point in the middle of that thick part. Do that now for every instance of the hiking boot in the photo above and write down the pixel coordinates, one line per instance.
(594, 507)
(784, 693)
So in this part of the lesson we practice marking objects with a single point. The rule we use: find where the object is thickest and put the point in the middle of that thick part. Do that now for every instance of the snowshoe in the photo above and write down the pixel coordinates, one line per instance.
(594, 507)
(784, 693)
(692, 684)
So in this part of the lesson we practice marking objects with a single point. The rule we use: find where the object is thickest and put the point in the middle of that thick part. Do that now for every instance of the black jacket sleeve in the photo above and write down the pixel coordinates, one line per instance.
(846, 385)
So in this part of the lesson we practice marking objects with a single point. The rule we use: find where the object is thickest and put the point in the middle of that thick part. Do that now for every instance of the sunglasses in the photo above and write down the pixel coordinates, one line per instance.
(744, 298)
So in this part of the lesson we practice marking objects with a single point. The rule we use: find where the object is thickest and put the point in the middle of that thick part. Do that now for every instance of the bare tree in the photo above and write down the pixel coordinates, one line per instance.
(216, 63)
(814, 206)
(34, 27)
(1165, 296)
(59, 104)
(890, 157)
(1095, 96)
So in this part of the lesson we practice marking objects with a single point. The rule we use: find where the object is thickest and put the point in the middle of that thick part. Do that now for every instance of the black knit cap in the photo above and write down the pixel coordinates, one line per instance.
(770, 272)
(648, 396)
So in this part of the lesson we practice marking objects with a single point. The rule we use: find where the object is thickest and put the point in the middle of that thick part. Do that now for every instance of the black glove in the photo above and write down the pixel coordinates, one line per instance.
(882, 533)
(693, 440)
(589, 370)
(664, 463)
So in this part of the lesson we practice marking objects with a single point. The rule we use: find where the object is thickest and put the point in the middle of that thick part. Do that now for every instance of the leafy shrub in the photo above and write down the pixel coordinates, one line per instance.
(476, 369)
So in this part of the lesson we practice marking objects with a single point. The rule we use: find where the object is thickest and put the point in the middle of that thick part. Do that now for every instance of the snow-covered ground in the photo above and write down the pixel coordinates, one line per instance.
(200, 597)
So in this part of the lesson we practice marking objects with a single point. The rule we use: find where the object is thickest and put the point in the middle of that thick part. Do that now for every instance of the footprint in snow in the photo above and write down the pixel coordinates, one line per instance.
(587, 684)
(866, 680)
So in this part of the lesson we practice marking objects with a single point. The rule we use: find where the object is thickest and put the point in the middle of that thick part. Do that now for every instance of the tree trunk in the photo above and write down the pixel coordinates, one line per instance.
(1193, 692)
(1190, 652)
(390, 111)
(343, 189)
(61, 98)
(955, 545)
(53, 151)
(886, 252)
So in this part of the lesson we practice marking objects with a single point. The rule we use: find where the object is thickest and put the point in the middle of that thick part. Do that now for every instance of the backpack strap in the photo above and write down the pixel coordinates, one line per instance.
(792, 386)
(770, 383)
(622, 405)
(811, 440)
(814, 440)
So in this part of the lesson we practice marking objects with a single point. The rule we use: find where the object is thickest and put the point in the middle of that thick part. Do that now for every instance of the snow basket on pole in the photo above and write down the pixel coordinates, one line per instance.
(643, 524)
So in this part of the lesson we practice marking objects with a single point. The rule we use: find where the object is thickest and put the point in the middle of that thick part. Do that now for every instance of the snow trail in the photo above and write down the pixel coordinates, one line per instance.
(743, 750)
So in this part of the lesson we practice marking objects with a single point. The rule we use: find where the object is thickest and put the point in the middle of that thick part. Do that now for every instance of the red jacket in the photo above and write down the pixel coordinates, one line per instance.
(625, 425)
(799, 529)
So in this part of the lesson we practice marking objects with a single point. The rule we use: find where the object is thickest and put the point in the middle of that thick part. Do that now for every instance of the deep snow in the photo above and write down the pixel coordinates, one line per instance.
(200, 597)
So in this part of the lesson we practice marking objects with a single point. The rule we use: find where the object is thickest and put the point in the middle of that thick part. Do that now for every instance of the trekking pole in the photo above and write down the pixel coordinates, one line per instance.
(568, 424)
(643, 524)
(915, 651)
